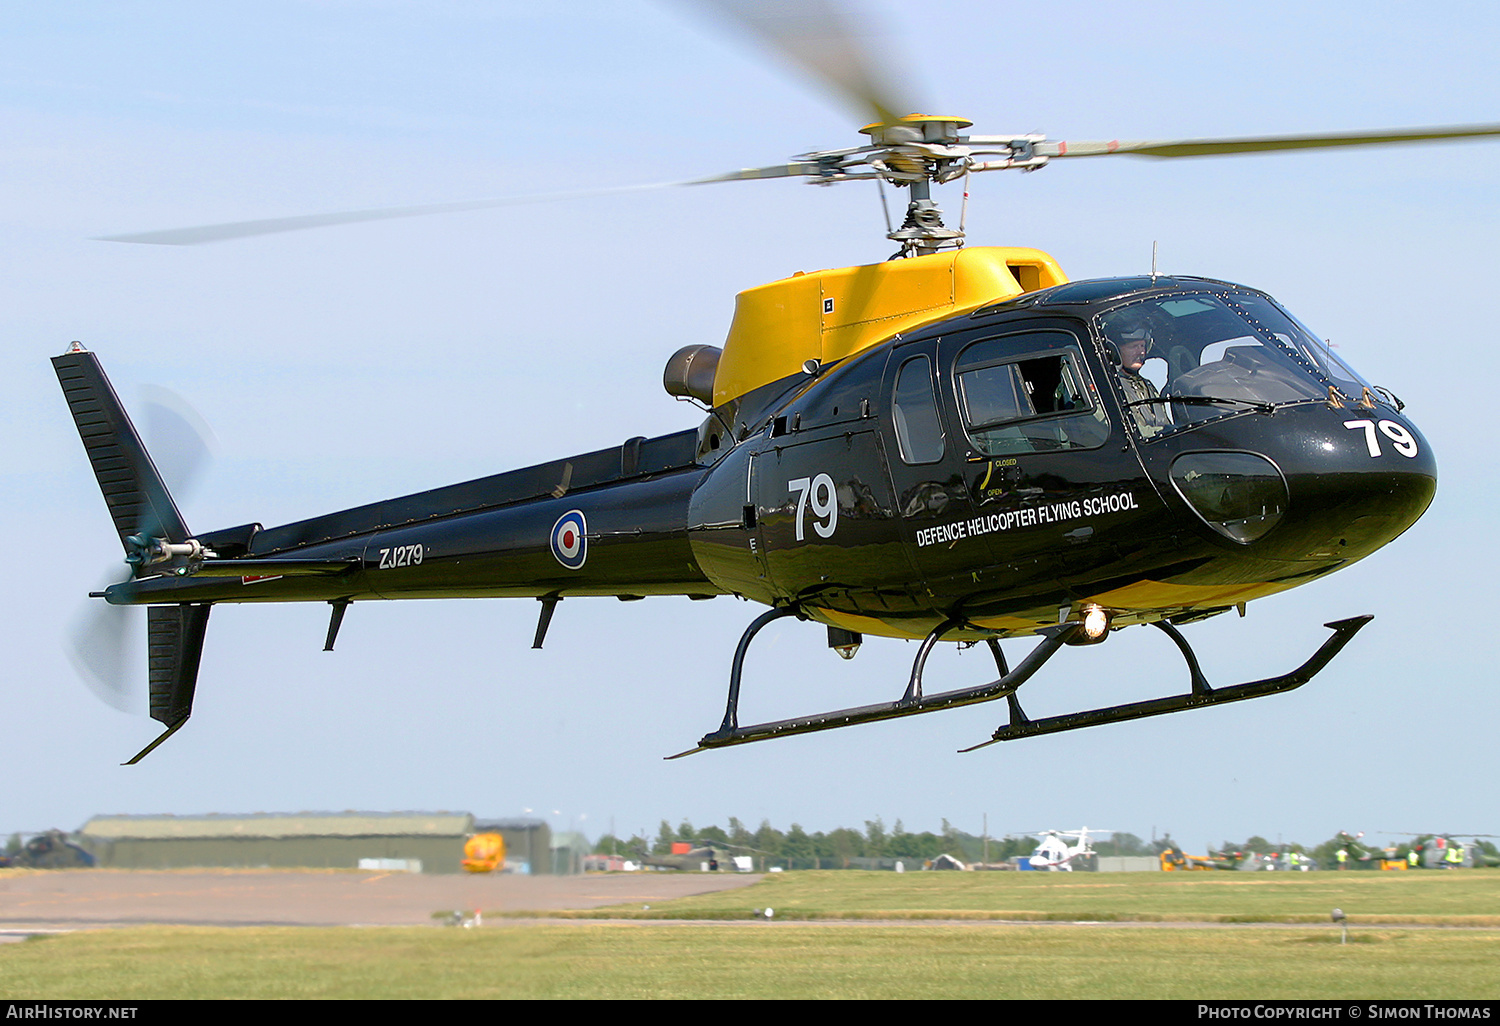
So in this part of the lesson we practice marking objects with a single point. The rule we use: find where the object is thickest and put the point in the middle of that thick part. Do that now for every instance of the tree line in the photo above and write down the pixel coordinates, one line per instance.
(847, 848)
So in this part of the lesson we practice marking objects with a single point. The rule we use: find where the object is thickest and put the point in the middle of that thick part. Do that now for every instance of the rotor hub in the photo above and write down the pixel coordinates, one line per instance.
(917, 128)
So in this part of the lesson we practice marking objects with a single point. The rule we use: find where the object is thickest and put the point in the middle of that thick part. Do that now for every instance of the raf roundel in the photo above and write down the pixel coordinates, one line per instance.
(570, 539)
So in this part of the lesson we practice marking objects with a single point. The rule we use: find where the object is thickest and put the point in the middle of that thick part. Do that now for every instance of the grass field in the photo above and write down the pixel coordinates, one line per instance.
(916, 957)
(1431, 898)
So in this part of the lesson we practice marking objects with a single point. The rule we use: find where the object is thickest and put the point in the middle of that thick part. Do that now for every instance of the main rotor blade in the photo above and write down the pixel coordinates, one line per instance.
(270, 226)
(1165, 148)
(824, 39)
(791, 170)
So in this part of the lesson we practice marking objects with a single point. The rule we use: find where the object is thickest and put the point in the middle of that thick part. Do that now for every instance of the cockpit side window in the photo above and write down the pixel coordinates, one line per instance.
(1028, 393)
(919, 431)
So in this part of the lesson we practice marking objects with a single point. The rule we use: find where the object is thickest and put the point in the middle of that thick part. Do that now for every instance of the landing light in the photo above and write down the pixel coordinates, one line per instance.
(1095, 622)
(844, 642)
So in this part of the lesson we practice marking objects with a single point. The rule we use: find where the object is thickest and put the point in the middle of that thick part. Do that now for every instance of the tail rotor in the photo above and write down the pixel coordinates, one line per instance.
(102, 651)
(154, 536)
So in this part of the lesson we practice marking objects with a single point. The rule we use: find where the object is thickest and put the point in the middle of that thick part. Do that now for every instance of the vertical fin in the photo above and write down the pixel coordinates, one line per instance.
(174, 637)
(133, 488)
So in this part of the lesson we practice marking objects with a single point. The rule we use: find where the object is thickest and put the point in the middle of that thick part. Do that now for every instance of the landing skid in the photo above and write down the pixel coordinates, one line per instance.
(913, 702)
(1201, 694)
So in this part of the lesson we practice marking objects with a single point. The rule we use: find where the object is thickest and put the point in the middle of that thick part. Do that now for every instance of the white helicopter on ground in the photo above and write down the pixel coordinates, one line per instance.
(1056, 855)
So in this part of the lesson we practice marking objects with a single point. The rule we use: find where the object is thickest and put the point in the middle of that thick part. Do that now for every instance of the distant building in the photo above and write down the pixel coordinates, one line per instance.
(568, 850)
(1129, 864)
(427, 842)
(606, 863)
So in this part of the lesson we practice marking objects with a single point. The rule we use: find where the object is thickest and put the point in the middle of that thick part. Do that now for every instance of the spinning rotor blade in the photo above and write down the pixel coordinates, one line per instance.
(199, 234)
(1165, 148)
(104, 640)
(819, 36)
(182, 442)
(183, 445)
(823, 38)
(796, 168)
(100, 643)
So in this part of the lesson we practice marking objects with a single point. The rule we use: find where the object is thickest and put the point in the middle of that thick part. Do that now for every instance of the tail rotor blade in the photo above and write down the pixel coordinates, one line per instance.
(181, 442)
(103, 648)
(104, 641)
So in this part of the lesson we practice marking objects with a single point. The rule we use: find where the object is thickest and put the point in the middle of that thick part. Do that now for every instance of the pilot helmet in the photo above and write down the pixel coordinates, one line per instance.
(1129, 326)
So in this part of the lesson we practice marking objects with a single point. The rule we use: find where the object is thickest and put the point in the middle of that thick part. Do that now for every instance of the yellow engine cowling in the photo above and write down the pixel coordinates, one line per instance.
(830, 315)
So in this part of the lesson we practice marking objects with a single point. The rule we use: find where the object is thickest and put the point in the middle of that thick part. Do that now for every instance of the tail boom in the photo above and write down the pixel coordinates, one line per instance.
(610, 522)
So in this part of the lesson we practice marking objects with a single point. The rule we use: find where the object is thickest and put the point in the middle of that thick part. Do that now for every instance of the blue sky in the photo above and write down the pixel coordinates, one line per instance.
(344, 365)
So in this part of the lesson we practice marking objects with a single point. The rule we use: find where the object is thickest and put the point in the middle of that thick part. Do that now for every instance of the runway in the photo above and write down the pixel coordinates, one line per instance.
(44, 901)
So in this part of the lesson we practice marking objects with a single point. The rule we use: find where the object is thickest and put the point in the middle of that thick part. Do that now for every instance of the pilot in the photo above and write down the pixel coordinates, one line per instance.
(1133, 342)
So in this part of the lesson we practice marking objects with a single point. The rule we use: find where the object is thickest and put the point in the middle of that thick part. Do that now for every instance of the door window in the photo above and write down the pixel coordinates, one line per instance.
(1028, 393)
(919, 432)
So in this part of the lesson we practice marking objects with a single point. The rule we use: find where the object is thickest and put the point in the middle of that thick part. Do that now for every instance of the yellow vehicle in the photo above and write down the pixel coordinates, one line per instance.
(1175, 860)
(484, 853)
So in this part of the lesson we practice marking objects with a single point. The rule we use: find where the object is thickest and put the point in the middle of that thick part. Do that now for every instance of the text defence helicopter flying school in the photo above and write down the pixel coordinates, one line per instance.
(956, 445)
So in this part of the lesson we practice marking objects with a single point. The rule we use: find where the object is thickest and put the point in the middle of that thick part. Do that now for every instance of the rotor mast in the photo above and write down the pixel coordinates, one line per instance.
(914, 152)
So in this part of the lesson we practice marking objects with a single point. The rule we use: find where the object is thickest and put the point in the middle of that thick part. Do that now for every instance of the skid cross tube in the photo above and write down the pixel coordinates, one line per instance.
(912, 703)
(732, 713)
(1201, 694)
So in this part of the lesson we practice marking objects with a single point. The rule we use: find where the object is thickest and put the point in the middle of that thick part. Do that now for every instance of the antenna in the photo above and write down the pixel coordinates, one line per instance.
(1153, 259)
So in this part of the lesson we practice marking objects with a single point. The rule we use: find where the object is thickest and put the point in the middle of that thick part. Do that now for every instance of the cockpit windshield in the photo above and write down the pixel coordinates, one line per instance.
(1189, 357)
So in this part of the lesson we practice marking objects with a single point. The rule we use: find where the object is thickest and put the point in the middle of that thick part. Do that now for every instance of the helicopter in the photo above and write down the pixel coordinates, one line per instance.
(705, 856)
(50, 849)
(1055, 854)
(938, 448)
(1447, 851)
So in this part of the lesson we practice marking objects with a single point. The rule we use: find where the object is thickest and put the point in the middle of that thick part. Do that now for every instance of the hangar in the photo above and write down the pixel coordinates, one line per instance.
(425, 842)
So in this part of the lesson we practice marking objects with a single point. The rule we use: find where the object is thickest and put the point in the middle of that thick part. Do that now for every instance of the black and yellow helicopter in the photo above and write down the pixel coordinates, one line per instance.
(957, 444)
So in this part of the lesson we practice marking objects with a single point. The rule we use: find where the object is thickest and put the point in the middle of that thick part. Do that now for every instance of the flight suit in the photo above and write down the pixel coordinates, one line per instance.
(1150, 418)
